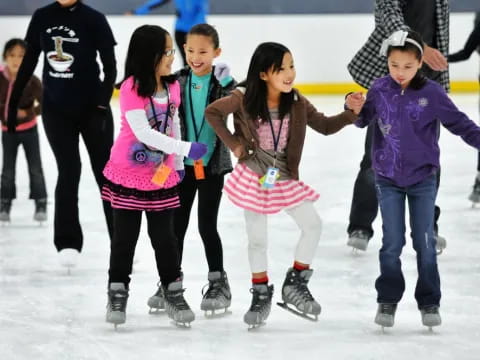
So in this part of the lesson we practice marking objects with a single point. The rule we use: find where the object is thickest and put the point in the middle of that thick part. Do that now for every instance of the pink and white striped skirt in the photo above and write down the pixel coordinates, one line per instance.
(244, 190)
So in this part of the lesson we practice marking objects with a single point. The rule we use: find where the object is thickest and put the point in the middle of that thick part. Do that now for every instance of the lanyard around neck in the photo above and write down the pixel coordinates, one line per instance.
(192, 110)
(276, 139)
(157, 123)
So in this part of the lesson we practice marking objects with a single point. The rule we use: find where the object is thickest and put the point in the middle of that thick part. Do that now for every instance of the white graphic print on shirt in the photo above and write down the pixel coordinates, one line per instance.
(58, 59)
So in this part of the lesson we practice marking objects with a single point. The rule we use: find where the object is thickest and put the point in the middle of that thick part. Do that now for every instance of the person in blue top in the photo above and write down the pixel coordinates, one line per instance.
(472, 43)
(406, 110)
(202, 83)
(188, 12)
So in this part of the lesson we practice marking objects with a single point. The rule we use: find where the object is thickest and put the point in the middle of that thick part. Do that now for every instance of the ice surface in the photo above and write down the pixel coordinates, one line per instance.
(46, 314)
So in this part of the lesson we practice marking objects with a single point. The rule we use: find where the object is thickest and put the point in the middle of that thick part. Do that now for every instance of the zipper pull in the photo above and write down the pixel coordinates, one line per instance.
(403, 91)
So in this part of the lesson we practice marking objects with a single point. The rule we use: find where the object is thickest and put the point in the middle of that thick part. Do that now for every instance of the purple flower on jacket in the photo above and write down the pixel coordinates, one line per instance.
(415, 107)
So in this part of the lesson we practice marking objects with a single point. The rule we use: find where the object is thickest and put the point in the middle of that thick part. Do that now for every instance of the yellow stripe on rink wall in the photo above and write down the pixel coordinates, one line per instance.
(344, 88)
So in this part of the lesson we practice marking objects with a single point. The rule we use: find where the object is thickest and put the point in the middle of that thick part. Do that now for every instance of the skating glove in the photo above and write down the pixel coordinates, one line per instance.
(197, 150)
(181, 174)
(222, 73)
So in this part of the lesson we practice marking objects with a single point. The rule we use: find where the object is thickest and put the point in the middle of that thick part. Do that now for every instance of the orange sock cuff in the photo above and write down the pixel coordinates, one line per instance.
(262, 280)
(300, 267)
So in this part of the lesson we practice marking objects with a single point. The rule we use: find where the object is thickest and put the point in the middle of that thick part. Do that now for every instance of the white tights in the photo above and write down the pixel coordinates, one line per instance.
(307, 220)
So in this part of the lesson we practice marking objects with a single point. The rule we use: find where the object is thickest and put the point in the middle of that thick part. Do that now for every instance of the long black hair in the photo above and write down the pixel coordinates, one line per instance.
(10, 44)
(267, 57)
(145, 51)
(419, 80)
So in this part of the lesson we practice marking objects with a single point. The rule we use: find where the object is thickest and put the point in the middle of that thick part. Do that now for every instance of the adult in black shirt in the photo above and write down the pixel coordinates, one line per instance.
(75, 103)
(473, 42)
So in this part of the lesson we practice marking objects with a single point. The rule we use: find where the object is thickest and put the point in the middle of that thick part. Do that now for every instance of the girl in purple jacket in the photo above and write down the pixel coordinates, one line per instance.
(408, 110)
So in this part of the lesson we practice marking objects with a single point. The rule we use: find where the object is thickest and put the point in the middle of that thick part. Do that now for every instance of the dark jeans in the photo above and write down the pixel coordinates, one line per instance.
(180, 39)
(364, 208)
(390, 284)
(122, 249)
(209, 196)
(10, 143)
(63, 129)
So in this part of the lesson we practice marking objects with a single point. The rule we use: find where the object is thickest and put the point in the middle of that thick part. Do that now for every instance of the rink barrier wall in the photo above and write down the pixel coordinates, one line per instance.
(322, 45)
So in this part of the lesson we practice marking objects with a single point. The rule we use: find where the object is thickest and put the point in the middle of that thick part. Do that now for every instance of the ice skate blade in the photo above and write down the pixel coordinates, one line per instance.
(253, 327)
(212, 314)
(156, 311)
(182, 325)
(305, 316)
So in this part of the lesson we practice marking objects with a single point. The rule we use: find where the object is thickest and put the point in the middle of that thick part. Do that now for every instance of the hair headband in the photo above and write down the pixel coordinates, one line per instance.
(398, 38)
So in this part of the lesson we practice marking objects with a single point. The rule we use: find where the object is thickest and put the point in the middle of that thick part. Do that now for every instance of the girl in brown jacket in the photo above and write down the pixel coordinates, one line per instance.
(270, 120)
(26, 134)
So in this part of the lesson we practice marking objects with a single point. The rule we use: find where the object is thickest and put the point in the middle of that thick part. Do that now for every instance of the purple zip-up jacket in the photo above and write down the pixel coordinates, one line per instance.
(405, 139)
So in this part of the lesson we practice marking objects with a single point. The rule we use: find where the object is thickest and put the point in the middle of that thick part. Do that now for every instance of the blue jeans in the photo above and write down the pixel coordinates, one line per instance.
(390, 284)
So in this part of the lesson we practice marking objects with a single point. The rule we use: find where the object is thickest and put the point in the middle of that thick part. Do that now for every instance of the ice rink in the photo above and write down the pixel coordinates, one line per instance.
(48, 314)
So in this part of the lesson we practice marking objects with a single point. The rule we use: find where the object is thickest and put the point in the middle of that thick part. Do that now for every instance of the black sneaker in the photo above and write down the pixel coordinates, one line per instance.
(385, 314)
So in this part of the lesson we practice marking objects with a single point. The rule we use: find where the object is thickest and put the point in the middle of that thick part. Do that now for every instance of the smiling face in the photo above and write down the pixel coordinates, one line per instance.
(403, 66)
(280, 81)
(14, 58)
(164, 67)
(200, 52)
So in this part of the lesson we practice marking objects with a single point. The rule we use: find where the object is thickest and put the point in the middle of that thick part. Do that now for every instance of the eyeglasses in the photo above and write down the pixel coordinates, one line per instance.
(169, 52)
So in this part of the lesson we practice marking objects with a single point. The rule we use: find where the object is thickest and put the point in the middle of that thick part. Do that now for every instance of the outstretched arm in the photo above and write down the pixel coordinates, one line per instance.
(148, 6)
(472, 43)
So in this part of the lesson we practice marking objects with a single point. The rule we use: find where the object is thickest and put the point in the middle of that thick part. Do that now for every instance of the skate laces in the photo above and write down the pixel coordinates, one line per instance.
(214, 289)
(387, 308)
(362, 234)
(177, 299)
(431, 310)
(259, 299)
(118, 300)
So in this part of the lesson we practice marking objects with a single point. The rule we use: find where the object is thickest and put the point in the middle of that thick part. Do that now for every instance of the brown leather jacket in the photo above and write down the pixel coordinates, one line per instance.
(31, 94)
(303, 113)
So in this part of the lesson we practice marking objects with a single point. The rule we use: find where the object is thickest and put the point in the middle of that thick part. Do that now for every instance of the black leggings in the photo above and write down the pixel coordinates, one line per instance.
(63, 129)
(122, 249)
(209, 196)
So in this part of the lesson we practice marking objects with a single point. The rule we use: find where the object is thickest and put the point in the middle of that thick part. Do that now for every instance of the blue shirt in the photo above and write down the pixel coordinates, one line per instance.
(189, 12)
(196, 96)
(406, 128)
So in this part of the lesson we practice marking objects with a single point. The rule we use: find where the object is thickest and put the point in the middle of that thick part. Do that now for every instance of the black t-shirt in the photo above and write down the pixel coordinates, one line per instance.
(70, 38)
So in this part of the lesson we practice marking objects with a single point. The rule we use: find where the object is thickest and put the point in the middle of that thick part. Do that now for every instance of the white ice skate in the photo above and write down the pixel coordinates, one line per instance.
(68, 258)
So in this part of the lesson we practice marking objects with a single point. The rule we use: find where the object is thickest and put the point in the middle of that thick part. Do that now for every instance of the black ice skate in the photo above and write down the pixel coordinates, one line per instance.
(441, 243)
(260, 307)
(297, 297)
(40, 214)
(157, 301)
(5, 207)
(176, 306)
(358, 240)
(218, 295)
(385, 315)
(474, 197)
(431, 316)
(117, 304)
